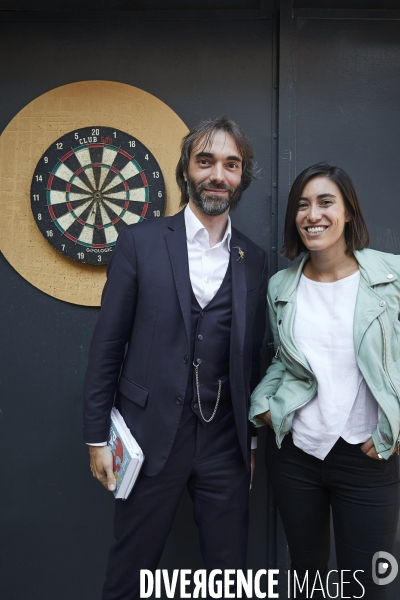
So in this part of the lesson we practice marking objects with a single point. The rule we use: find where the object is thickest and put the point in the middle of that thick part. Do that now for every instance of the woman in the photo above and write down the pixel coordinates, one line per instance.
(332, 392)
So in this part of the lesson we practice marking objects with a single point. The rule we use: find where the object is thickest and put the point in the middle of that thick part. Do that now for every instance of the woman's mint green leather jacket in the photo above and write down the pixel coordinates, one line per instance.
(290, 383)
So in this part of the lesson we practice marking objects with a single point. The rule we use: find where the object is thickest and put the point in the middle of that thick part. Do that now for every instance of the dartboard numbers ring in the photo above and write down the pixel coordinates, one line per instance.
(88, 185)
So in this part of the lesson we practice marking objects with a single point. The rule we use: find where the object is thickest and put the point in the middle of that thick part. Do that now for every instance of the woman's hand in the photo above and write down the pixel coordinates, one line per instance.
(368, 448)
(266, 418)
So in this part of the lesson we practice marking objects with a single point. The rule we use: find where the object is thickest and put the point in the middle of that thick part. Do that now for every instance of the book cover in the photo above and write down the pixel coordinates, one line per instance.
(127, 455)
(121, 457)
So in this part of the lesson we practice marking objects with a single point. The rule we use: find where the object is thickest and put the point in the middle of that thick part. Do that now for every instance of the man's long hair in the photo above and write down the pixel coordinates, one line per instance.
(203, 134)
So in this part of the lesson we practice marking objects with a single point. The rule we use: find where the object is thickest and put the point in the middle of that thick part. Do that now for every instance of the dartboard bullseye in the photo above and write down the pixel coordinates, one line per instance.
(88, 185)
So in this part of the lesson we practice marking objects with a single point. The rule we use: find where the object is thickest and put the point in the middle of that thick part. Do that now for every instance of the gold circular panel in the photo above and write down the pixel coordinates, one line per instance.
(32, 131)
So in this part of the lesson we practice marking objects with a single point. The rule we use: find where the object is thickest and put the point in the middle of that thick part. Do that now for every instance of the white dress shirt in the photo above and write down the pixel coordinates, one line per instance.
(207, 265)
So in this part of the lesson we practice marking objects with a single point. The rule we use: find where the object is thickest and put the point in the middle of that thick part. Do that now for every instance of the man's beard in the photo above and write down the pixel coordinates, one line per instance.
(210, 204)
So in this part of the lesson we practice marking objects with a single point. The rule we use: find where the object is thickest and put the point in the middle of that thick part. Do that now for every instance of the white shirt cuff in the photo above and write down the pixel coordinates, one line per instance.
(98, 444)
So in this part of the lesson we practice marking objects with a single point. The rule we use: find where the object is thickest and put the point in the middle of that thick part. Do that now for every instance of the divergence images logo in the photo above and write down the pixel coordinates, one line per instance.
(384, 568)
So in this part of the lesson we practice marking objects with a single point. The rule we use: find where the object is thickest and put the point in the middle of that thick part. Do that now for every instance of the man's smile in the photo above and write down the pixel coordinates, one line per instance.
(215, 191)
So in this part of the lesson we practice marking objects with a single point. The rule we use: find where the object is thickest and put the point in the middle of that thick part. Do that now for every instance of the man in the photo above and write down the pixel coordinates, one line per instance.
(186, 294)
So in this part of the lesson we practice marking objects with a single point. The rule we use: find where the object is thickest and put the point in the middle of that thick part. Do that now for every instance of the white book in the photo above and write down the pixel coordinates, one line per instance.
(135, 452)
(127, 455)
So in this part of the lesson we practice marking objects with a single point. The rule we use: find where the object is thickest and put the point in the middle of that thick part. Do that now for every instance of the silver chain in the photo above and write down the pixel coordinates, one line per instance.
(196, 368)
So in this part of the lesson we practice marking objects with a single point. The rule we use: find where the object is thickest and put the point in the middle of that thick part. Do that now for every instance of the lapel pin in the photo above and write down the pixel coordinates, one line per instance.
(240, 258)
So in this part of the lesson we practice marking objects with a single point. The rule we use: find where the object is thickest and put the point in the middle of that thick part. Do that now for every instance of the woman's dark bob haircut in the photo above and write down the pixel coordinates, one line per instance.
(203, 133)
(355, 231)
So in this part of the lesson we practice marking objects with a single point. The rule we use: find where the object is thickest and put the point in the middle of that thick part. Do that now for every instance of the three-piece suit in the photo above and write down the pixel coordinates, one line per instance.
(151, 338)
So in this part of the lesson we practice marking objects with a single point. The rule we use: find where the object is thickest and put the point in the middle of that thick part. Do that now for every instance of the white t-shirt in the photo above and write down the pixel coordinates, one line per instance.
(323, 331)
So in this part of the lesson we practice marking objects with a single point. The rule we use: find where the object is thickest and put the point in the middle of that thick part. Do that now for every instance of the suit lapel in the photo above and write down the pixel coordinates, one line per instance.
(177, 248)
(239, 290)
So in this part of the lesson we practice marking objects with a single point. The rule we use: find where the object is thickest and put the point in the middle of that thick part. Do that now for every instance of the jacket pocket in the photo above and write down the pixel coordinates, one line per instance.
(133, 391)
(252, 295)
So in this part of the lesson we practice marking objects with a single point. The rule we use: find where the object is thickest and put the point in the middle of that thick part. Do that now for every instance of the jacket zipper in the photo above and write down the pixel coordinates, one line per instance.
(301, 405)
(384, 360)
(397, 443)
(288, 413)
(294, 358)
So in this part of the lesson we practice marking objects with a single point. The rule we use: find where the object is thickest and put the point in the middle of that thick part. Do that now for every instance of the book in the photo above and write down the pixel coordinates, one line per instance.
(127, 455)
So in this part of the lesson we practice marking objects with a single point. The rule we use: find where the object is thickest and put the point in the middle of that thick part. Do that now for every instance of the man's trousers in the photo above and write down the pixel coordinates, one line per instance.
(207, 460)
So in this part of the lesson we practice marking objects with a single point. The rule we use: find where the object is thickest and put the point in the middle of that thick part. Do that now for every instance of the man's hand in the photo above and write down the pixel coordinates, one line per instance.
(266, 417)
(252, 466)
(368, 448)
(101, 465)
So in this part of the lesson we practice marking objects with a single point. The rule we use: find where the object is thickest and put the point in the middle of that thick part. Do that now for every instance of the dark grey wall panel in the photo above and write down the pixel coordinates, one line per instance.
(347, 112)
(347, 4)
(344, 109)
(56, 521)
(127, 5)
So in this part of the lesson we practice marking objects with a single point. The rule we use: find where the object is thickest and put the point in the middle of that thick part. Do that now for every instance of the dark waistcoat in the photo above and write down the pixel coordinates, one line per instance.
(210, 347)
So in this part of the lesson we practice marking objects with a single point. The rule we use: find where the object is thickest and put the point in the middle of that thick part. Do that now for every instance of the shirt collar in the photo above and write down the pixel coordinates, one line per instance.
(194, 226)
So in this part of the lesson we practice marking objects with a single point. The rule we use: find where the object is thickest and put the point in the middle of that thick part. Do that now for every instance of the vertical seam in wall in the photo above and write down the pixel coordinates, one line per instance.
(286, 115)
(275, 146)
(295, 34)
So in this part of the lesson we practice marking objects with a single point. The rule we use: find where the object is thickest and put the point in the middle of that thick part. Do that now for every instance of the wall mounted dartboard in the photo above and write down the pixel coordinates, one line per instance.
(89, 184)
(77, 164)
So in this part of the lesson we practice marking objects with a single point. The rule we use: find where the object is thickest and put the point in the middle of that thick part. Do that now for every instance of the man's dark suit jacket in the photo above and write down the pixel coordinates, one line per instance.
(146, 308)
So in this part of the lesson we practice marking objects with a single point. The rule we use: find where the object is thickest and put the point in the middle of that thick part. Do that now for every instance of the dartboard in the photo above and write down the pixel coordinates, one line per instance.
(89, 184)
